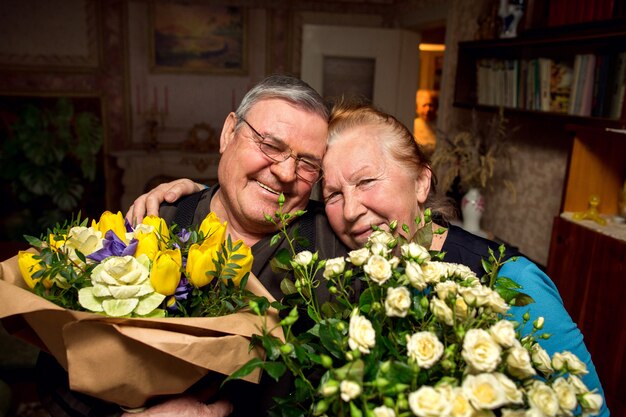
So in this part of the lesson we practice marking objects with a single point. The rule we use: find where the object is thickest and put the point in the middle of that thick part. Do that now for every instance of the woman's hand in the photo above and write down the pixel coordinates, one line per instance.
(148, 203)
(186, 406)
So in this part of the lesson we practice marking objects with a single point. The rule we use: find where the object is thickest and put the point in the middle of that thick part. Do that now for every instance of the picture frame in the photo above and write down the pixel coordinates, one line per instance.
(198, 38)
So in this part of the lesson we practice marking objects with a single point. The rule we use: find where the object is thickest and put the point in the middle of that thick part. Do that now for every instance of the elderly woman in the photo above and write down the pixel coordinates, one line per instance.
(374, 173)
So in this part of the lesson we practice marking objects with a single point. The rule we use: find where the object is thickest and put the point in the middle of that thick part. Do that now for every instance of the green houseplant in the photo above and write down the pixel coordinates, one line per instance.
(48, 155)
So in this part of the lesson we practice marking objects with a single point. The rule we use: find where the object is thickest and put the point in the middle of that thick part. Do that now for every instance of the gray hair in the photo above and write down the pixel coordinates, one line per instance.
(284, 87)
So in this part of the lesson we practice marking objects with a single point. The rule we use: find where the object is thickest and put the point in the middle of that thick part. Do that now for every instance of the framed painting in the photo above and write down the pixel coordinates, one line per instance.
(198, 38)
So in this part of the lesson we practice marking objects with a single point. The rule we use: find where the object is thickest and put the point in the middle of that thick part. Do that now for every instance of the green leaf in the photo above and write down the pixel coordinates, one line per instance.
(288, 287)
(521, 300)
(275, 369)
(246, 369)
(331, 339)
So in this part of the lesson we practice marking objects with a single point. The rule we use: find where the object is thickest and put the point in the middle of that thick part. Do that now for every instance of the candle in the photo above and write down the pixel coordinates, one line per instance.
(138, 99)
(166, 107)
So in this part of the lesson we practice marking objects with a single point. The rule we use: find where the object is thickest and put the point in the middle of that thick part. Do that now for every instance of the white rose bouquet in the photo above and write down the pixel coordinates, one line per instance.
(421, 337)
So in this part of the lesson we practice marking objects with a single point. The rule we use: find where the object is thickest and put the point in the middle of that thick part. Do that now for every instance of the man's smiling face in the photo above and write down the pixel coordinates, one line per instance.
(250, 182)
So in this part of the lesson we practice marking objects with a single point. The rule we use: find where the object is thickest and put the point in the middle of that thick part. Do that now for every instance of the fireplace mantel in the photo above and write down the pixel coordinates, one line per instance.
(140, 167)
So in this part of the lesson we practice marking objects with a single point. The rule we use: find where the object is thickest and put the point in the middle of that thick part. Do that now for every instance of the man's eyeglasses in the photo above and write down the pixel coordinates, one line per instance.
(306, 170)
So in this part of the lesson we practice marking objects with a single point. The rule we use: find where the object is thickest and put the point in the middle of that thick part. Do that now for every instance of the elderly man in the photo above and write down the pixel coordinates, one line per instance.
(274, 143)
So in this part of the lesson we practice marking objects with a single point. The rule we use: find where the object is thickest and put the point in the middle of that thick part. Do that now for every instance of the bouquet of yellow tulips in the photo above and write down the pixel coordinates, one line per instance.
(153, 300)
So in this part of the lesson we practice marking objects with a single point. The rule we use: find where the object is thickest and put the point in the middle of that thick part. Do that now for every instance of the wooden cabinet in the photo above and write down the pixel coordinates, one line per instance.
(589, 270)
(588, 266)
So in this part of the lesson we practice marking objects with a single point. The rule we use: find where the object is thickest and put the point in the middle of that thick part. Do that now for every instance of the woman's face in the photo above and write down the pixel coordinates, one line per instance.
(365, 187)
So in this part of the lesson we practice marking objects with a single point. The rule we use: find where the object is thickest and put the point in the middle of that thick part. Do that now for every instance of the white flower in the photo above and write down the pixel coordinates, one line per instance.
(361, 334)
(329, 388)
(519, 363)
(503, 332)
(480, 351)
(359, 257)
(349, 390)
(429, 402)
(87, 240)
(568, 361)
(398, 302)
(461, 309)
(445, 289)
(384, 411)
(424, 348)
(512, 393)
(378, 269)
(542, 397)
(394, 262)
(382, 237)
(484, 391)
(415, 252)
(303, 258)
(565, 393)
(475, 296)
(433, 271)
(541, 359)
(441, 310)
(578, 384)
(591, 402)
(461, 406)
(461, 271)
(413, 272)
(496, 302)
(334, 267)
(379, 249)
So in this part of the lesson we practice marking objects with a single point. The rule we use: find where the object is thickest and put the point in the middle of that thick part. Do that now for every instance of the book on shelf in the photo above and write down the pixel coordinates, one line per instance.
(561, 78)
(618, 87)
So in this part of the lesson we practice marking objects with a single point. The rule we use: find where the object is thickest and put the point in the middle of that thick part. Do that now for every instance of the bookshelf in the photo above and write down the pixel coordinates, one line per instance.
(575, 71)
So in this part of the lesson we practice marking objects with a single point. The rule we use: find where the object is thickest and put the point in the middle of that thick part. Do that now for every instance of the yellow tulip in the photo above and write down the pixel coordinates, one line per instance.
(213, 229)
(109, 221)
(148, 244)
(199, 262)
(159, 225)
(165, 273)
(56, 244)
(28, 267)
(245, 263)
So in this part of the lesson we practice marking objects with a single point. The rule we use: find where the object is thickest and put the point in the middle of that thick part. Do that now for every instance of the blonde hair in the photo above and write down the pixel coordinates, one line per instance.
(396, 139)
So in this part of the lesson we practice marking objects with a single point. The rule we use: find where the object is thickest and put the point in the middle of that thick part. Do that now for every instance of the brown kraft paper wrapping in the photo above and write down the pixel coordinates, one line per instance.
(127, 361)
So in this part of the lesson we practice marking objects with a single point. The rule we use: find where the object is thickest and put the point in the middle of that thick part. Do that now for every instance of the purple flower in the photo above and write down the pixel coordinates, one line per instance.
(184, 235)
(181, 294)
(113, 246)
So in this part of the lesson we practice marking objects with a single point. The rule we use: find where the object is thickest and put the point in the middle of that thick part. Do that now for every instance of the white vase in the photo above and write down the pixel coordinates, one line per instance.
(472, 208)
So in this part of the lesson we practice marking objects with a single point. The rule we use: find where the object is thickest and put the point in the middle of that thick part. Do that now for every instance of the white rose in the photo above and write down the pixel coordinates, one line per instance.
(87, 240)
(303, 258)
(565, 393)
(382, 237)
(334, 267)
(424, 348)
(543, 398)
(461, 406)
(497, 303)
(484, 391)
(433, 271)
(445, 289)
(413, 271)
(415, 252)
(378, 269)
(394, 262)
(384, 411)
(480, 351)
(398, 302)
(441, 310)
(461, 271)
(578, 384)
(359, 257)
(568, 361)
(541, 359)
(349, 390)
(461, 309)
(475, 296)
(503, 332)
(591, 402)
(519, 363)
(361, 334)
(512, 393)
(379, 249)
(429, 402)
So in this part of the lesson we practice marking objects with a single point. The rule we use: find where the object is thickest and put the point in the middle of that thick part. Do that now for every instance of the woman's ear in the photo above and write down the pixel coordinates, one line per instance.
(422, 185)
(228, 131)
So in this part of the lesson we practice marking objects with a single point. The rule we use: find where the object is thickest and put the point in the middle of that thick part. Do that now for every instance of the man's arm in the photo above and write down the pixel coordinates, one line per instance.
(149, 203)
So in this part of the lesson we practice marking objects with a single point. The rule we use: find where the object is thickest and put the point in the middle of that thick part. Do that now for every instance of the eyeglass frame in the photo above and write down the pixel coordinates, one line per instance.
(287, 153)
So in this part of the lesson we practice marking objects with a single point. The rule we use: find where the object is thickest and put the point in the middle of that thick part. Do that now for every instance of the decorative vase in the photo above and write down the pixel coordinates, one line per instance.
(472, 208)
